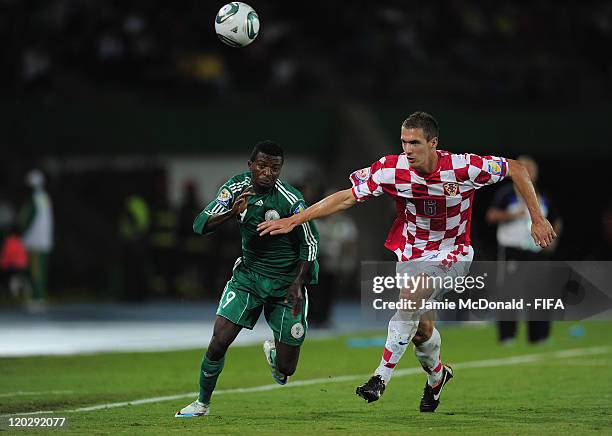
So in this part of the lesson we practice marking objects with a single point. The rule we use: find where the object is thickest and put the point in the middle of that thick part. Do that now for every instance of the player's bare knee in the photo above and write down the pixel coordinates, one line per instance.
(217, 348)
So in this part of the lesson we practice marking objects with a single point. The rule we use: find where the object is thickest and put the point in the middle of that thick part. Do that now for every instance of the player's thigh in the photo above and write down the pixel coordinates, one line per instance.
(419, 290)
(288, 329)
(414, 276)
(429, 277)
(238, 305)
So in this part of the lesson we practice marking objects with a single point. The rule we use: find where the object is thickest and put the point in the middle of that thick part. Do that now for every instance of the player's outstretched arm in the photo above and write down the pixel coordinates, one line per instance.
(542, 232)
(331, 204)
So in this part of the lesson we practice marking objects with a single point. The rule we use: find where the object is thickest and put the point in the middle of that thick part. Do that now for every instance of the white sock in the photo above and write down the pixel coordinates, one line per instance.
(399, 334)
(428, 354)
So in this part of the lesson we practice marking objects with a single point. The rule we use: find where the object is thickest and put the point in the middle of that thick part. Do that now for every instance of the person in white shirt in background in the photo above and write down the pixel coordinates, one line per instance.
(515, 245)
(37, 220)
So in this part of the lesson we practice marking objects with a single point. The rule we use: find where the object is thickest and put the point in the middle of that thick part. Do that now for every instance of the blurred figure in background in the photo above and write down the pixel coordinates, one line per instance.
(7, 211)
(14, 265)
(163, 241)
(515, 243)
(338, 263)
(37, 223)
(194, 251)
(134, 227)
(603, 245)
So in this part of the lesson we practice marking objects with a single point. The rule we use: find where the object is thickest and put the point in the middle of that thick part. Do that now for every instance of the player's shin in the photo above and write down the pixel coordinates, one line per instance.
(400, 332)
(209, 373)
(428, 354)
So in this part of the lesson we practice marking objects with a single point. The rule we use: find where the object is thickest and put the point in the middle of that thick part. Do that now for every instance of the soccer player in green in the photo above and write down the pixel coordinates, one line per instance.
(271, 274)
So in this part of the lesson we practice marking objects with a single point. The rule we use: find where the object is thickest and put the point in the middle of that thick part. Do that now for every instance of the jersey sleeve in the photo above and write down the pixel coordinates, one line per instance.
(485, 170)
(366, 182)
(307, 233)
(223, 202)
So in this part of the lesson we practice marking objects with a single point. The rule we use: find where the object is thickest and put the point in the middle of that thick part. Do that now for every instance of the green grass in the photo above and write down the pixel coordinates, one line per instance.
(562, 395)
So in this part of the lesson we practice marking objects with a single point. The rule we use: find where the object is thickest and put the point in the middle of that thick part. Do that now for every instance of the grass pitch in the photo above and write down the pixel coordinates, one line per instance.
(562, 387)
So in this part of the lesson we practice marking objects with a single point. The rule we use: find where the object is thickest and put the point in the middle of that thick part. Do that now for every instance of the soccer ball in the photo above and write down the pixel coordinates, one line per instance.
(237, 24)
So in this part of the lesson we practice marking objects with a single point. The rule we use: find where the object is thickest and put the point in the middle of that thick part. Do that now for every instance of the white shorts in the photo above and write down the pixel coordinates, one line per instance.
(442, 264)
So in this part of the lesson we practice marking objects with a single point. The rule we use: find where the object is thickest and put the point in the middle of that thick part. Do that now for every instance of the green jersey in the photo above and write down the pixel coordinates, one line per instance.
(270, 256)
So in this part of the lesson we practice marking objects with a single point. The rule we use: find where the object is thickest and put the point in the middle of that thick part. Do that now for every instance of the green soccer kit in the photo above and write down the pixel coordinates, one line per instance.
(268, 264)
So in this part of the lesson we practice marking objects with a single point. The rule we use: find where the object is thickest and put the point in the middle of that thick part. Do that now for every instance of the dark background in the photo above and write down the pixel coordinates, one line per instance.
(102, 94)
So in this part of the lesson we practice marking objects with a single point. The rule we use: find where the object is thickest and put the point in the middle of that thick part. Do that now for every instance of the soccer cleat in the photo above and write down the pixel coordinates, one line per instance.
(371, 390)
(431, 396)
(269, 349)
(192, 410)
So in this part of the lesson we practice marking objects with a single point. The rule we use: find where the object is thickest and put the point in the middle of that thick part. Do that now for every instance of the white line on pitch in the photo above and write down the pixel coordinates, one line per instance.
(25, 393)
(590, 362)
(487, 363)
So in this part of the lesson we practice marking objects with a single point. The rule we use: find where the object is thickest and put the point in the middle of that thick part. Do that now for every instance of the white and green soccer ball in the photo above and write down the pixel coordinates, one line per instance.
(237, 24)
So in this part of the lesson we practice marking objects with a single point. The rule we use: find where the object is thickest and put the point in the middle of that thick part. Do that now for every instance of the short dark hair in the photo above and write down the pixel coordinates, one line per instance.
(267, 147)
(423, 120)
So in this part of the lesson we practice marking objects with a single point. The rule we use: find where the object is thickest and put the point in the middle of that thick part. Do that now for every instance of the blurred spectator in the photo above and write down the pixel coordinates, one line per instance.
(206, 69)
(194, 251)
(515, 244)
(37, 224)
(469, 49)
(163, 241)
(36, 65)
(7, 214)
(134, 227)
(14, 266)
(603, 244)
(338, 264)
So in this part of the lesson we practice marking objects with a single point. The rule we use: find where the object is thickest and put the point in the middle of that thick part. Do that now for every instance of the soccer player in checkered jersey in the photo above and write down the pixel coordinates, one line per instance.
(433, 191)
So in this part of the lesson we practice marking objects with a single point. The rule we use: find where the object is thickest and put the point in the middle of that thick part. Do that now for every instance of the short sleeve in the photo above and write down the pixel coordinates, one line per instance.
(486, 170)
(366, 182)
(224, 200)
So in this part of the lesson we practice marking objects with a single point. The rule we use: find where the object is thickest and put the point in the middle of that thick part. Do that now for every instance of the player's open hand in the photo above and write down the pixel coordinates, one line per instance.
(276, 227)
(242, 201)
(294, 298)
(542, 233)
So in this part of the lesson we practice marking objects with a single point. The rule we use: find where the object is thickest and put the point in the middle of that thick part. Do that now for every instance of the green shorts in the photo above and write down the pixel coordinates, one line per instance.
(248, 292)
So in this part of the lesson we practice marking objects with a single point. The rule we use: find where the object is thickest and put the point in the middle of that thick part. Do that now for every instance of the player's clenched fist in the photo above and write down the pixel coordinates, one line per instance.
(542, 233)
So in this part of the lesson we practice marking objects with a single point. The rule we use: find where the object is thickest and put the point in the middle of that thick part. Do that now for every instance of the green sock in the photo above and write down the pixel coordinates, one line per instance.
(209, 372)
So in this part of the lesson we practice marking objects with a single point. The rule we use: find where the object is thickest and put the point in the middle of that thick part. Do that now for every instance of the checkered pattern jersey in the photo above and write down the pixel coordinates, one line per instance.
(433, 211)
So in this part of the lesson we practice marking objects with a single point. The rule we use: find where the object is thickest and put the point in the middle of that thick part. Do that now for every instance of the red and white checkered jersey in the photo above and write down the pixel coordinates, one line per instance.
(434, 210)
